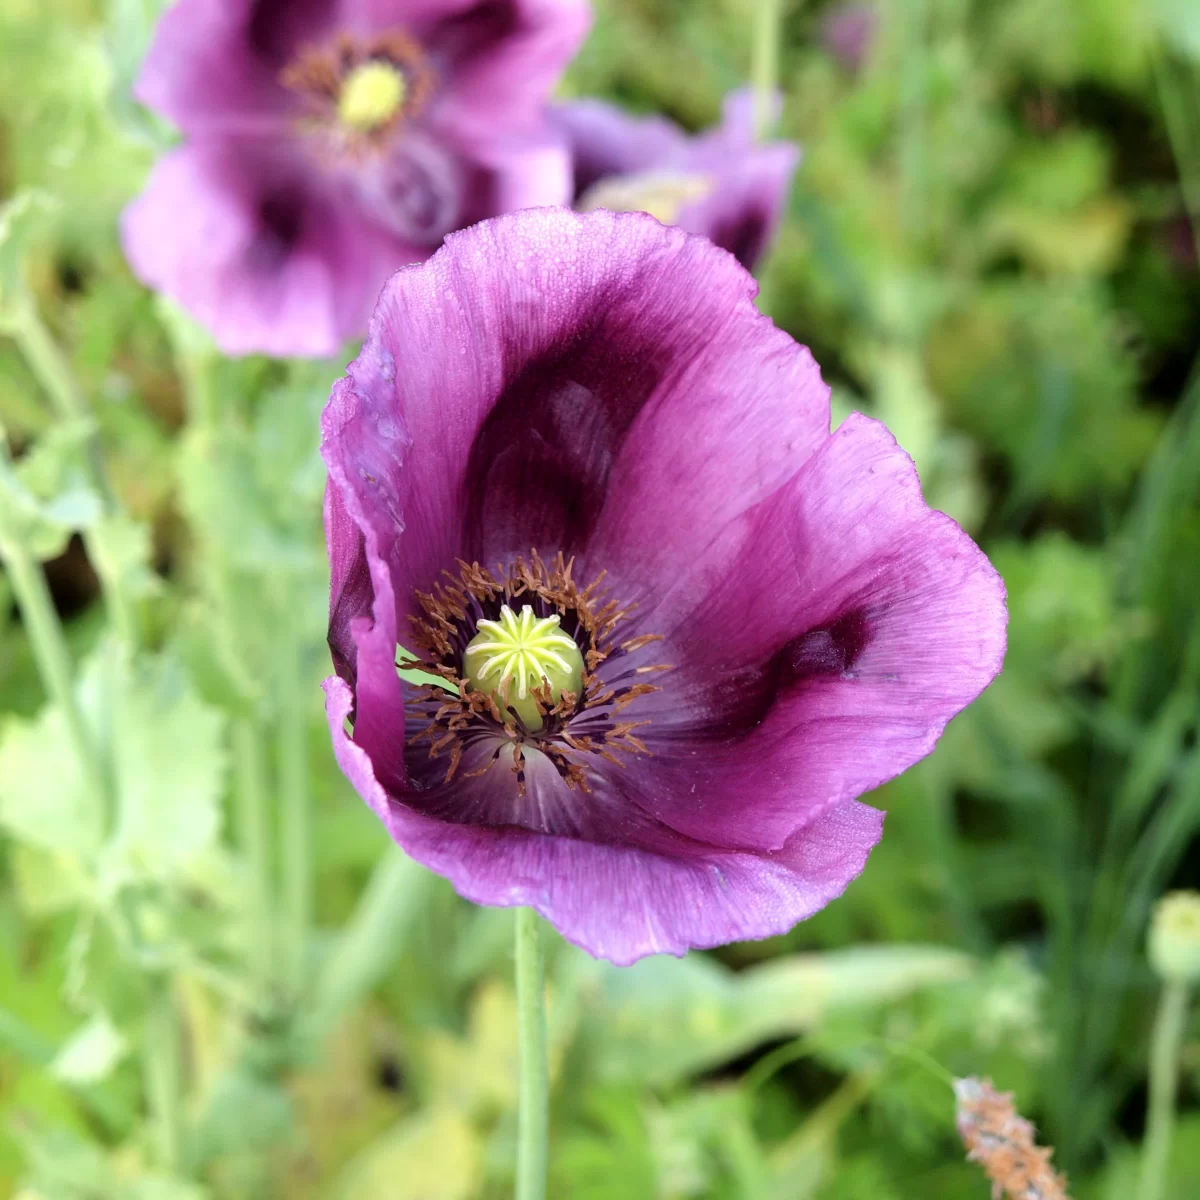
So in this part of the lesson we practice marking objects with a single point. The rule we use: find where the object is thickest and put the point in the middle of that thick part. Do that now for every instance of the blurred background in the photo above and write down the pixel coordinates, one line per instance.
(244, 992)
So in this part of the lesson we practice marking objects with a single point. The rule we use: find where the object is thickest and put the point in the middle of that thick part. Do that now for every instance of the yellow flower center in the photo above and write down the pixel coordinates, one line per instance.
(371, 95)
(519, 655)
(662, 194)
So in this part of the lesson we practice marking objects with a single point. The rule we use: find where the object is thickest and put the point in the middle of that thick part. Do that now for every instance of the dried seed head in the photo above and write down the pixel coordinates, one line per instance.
(1002, 1142)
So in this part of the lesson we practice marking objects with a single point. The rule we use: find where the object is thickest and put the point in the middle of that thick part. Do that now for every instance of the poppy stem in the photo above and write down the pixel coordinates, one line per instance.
(764, 63)
(534, 1081)
(252, 797)
(1167, 1040)
(49, 644)
(371, 941)
(295, 818)
(52, 369)
(163, 1077)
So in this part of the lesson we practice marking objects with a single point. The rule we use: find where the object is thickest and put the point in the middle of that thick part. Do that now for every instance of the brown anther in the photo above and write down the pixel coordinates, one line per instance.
(638, 689)
(638, 642)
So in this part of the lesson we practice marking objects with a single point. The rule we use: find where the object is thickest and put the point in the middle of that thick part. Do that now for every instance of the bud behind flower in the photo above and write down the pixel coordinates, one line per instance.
(1173, 945)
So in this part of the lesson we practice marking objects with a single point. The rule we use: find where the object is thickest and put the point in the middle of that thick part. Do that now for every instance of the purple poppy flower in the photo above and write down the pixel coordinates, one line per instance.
(847, 32)
(723, 184)
(675, 627)
(330, 142)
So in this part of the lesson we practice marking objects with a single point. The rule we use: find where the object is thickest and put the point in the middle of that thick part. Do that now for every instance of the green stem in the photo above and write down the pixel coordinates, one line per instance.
(52, 370)
(164, 1078)
(47, 362)
(252, 797)
(804, 1155)
(18, 1038)
(914, 21)
(764, 65)
(254, 833)
(1165, 1047)
(371, 940)
(534, 1084)
(295, 815)
(1185, 146)
(49, 645)
(202, 406)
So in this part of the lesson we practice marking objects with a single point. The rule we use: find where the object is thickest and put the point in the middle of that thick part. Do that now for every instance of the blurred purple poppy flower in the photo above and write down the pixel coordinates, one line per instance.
(674, 626)
(723, 184)
(332, 141)
(847, 32)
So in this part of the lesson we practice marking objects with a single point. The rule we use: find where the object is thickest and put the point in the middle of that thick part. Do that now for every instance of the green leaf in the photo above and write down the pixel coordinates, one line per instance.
(44, 796)
(244, 1114)
(433, 1156)
(169, 760)
(163, 1187)
(1179, 22)
(46, 497)
(91, 1053)
(662, 1020)
(20, 218)
(1120, 1178)
(47, 881)
(121, 550)
(65, 1167)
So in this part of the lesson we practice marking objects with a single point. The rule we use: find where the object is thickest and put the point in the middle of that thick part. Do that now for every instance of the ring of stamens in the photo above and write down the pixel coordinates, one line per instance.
(359, 92)
(575, 728)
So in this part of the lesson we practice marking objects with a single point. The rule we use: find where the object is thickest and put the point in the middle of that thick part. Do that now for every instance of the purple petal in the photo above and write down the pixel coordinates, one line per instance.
(214, 64)
(603, 385)
(499, 59)
(847, 32)
(350, 590)
(616, 902)
(367, 454)
(566, 354)
(743, 211)
(607, 141)
(744, 182)
(373, 15)
(512, 173)
(420, 190)
(738, 116)
(260, 249)
(823, 643)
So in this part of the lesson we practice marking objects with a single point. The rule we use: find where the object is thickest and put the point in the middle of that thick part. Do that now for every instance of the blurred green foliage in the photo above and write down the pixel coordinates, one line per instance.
(988, 246)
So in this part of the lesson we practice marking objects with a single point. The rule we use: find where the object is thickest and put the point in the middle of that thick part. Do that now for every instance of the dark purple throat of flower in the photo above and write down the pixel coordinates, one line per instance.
(530, 661)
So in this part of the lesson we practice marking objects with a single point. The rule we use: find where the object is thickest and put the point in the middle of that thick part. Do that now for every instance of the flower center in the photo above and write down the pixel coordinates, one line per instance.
(662, 194)
(356, 94)
(372, 94)
(524, 659)
(525, 663)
